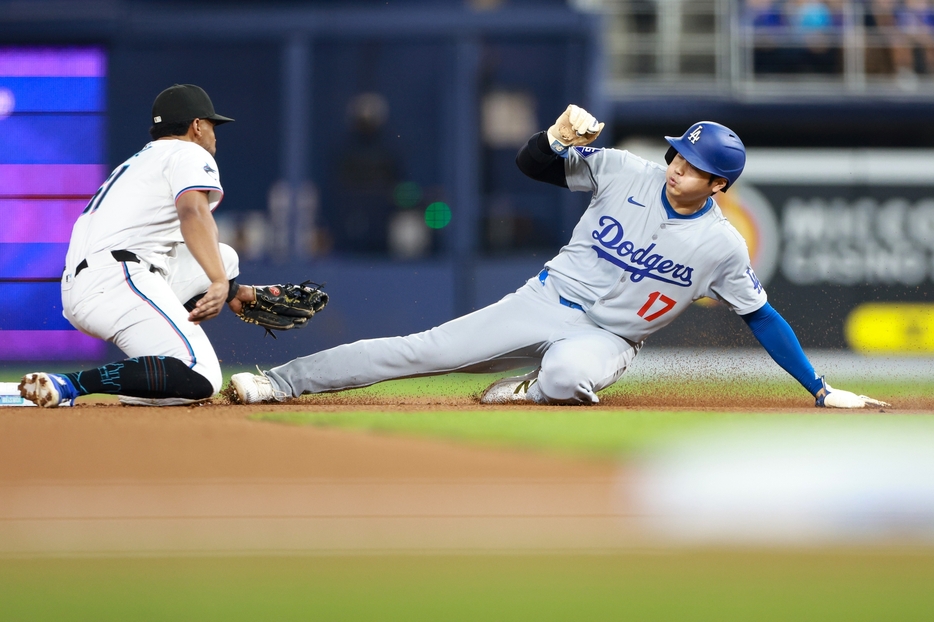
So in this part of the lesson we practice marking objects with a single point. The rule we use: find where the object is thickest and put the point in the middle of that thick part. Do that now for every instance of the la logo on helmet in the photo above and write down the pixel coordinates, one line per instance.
(695, 135)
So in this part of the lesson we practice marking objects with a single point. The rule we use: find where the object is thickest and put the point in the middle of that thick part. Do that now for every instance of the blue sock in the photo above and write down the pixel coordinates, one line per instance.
(65, 387)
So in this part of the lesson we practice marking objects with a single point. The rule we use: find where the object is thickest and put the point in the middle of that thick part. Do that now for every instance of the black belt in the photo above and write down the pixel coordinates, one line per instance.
(118, 256)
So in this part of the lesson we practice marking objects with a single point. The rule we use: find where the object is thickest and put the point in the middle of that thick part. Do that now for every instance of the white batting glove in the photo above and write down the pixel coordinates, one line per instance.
(829, 397)
(575, 127)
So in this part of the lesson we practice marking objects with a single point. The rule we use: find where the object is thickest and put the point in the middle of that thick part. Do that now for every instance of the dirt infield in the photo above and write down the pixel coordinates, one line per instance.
(106, 479)
(685, 398)
(101, 478)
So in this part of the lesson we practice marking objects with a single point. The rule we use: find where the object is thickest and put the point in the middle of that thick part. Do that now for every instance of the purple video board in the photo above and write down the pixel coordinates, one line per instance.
(52, 159)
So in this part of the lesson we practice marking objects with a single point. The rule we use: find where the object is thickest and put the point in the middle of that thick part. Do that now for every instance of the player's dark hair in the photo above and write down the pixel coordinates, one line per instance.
(714, 178)
(178, 128)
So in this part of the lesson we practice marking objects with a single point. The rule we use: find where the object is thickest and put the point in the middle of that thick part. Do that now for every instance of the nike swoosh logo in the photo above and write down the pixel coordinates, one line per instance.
(630, 199)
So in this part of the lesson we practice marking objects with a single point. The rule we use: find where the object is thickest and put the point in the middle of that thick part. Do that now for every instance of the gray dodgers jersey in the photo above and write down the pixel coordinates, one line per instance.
(635, 264)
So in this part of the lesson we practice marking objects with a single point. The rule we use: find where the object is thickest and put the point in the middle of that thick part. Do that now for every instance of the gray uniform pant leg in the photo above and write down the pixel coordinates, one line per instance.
(512, 333)
(528, 328)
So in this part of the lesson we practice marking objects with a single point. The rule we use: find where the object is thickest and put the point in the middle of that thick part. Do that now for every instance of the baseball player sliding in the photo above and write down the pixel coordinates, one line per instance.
(144, 268)
(651, 242)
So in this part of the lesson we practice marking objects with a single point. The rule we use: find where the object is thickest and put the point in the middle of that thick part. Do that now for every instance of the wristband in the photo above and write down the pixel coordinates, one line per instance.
(232, 288)
(557, 146)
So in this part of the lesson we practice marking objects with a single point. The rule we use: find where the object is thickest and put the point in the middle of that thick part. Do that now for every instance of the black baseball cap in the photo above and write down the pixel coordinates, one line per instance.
(184, 102)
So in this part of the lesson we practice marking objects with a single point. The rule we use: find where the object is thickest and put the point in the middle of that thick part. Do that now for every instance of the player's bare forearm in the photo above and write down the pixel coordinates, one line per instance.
(200, 234)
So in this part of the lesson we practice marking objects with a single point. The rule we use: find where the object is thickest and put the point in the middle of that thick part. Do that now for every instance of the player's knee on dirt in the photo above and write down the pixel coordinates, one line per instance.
(564, 381)
(184, 381)
(211, 373)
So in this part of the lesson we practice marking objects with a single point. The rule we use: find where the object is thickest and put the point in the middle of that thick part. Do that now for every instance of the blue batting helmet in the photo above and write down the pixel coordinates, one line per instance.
(712, 148)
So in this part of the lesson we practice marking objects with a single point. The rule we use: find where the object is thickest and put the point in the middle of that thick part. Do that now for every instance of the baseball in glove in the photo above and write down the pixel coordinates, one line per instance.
(283, 307)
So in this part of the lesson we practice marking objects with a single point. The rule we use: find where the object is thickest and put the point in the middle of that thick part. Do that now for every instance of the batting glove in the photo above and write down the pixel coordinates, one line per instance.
(828, 397)
(575, 127)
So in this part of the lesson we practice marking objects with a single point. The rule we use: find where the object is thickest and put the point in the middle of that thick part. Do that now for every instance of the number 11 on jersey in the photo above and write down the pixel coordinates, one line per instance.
(667, 305)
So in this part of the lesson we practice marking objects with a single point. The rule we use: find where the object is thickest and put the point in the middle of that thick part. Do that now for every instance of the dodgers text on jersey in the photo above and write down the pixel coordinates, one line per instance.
(642, 261)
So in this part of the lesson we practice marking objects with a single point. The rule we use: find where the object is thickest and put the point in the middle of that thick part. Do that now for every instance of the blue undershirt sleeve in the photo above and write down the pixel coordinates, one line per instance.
(779, 340)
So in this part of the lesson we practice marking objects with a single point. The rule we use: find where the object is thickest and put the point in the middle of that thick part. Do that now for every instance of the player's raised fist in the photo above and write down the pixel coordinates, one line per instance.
(575, 127)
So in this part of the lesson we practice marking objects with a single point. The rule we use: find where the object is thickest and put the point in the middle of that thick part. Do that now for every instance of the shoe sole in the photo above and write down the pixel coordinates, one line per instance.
(241, 392)
(498, 393)
(127, 400)
(38, 389)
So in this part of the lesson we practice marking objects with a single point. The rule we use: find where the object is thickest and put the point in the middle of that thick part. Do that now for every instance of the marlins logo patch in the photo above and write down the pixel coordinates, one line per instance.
(209, 170)
(586, 152)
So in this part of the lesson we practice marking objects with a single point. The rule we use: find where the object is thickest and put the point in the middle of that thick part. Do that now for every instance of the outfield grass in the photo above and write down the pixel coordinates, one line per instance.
(578, 431)
(458, 385)
(734, 585)
(583, 431)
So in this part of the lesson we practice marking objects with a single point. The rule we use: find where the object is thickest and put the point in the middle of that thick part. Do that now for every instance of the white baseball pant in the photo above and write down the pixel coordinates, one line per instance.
(142, 312)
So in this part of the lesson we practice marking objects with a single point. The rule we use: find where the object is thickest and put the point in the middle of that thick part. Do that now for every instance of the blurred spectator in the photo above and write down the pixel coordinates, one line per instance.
(767, 19)
(916, 50)
(880, 29)
(902, 34)
(765, 13)
(816, 30)
(796, 36)
(366, 177)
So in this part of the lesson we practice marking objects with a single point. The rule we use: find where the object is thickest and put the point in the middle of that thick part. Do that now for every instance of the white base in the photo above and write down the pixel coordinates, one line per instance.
(9, 396)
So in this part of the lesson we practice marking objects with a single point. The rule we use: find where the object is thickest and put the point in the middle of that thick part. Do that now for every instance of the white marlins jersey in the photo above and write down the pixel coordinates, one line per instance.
(135, 210)
(633, 263)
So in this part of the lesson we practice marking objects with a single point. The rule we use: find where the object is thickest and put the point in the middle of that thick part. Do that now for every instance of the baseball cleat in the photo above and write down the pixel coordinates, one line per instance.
(47, 390)
(255, 389)
(128, 400)
(515, 389)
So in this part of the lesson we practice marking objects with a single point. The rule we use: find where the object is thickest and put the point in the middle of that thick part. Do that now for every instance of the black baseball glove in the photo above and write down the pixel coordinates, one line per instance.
(283, 307)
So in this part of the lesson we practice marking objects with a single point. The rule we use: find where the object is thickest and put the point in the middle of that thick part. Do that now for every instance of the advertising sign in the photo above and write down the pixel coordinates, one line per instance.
(842, 240)
(52, 140)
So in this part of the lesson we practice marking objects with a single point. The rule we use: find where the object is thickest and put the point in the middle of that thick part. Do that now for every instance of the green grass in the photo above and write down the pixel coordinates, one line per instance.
(638, 586)
(575, 431)
(583, 431)
(472, 384)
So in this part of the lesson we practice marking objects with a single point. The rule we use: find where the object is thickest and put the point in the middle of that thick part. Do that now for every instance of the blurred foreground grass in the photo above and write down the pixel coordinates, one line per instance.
(663, 585)
(575, 431)
(596, 432)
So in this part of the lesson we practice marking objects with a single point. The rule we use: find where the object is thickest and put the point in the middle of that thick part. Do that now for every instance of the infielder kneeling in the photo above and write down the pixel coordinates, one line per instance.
(651, 242)
(144, 268)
